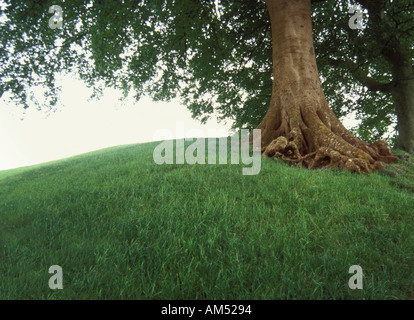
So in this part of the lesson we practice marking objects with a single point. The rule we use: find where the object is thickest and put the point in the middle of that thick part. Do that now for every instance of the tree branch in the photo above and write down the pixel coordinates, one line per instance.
(364, 79)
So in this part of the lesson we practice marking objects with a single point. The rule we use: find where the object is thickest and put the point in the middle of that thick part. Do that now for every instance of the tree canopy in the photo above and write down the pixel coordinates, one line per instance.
(215, 55)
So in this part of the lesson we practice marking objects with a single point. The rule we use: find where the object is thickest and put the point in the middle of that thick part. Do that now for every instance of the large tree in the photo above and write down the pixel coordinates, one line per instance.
(208, 52)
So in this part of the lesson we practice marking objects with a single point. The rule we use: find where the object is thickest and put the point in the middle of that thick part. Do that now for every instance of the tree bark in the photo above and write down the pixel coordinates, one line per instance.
(403, 95)
(402, 90)
(299, 125)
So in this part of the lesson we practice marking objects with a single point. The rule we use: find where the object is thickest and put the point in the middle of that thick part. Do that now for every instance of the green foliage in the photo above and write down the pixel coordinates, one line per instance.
(215, 55)
(122, 227)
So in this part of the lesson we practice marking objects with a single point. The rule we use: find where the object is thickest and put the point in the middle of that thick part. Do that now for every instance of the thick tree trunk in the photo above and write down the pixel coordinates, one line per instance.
(300, 126)
(403, 95)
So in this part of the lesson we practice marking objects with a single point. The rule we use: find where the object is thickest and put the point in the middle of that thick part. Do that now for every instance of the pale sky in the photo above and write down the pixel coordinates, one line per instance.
(81, 126)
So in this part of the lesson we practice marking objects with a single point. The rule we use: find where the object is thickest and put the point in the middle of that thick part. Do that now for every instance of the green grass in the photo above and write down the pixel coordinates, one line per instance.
(122, 227)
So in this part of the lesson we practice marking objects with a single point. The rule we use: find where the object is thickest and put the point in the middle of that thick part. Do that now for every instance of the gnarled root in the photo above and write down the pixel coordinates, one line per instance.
(349, 158)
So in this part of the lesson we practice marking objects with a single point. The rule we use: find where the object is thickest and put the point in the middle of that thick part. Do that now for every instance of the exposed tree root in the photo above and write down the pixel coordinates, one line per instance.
(359, 161)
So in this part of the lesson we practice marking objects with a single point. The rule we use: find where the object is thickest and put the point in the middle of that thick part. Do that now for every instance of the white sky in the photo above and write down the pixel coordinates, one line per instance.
(81, 126)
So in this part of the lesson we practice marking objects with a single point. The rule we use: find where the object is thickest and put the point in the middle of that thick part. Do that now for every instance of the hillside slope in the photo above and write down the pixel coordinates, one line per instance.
(122, 227)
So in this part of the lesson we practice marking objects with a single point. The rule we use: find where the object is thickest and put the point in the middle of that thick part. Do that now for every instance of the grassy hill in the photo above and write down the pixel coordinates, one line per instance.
(122, 227)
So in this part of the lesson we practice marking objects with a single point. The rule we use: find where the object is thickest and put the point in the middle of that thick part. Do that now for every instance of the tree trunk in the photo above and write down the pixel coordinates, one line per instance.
(403, 95)
(299, 125)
